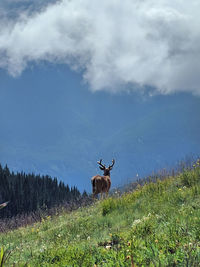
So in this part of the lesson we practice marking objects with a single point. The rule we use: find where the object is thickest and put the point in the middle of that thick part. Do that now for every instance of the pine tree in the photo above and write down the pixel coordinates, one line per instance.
(29, 192)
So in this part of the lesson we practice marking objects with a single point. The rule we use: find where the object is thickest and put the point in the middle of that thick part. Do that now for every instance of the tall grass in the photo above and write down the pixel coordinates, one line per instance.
(23, 220)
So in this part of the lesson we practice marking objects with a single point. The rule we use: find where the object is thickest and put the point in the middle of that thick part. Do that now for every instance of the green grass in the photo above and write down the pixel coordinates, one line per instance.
(157, 225)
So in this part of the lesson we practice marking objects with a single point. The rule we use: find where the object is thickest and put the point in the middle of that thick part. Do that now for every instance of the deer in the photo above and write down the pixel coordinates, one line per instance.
(101, 184)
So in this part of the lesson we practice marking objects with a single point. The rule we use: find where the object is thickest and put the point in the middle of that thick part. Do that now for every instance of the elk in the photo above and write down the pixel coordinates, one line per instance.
(101, 184)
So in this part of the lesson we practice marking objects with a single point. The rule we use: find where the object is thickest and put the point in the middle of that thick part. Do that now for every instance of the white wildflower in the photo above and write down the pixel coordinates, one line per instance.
(145, 218)
(136, 222)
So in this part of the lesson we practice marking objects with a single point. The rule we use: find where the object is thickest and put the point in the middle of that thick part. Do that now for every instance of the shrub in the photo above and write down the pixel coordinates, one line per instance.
(108, 205)
(190, 178)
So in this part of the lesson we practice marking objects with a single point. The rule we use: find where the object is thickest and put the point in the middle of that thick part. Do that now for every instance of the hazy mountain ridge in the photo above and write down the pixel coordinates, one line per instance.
(81, 145)
(64, 134)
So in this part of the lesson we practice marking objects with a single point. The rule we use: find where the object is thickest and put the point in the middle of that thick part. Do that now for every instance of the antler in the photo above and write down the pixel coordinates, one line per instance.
(110, 166)
(100, 163)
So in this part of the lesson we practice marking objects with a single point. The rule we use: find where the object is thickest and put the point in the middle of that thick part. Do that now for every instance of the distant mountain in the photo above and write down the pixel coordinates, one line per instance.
(54, 125)
(151, 142)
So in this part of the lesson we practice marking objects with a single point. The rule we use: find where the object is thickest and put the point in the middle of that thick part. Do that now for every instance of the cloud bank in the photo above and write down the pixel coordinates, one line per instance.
(112, 43)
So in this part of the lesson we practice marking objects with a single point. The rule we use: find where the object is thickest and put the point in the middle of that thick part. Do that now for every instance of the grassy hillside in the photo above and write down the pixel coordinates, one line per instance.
(157, 225)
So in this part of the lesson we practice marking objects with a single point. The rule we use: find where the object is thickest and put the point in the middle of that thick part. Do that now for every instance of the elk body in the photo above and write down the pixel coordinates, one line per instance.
(101, 184)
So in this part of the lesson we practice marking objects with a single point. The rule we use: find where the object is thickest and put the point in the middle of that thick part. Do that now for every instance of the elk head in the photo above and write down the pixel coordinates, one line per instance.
(104, 169)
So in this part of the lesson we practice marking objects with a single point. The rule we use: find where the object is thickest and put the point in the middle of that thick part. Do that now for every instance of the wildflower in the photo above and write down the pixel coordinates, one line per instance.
(37, 230)
(147, 217)
(136, 222)
(128, 257)
(88, 238)
(108, 247)
(179, 189)
(156, 241)
(142, 220)
(32, 230)
(129, 243)
(193, 165)
(157, 216)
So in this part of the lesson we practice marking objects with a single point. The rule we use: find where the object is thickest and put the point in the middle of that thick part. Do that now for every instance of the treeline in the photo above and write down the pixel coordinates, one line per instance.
(29, 192)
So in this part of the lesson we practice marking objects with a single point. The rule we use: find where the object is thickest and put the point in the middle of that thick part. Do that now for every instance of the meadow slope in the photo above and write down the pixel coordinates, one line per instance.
(156, 225)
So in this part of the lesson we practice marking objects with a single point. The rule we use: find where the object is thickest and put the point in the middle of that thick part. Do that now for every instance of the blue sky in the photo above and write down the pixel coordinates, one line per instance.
(78, 83)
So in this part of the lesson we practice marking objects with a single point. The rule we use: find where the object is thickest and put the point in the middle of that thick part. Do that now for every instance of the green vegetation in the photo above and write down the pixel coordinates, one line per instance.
(29, 192)
(156, 225)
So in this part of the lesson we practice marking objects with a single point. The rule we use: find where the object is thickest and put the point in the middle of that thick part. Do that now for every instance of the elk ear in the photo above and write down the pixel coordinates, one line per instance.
(101, 168)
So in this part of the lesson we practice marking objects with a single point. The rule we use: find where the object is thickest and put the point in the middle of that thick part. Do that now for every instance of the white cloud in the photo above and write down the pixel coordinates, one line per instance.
(113, 43)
